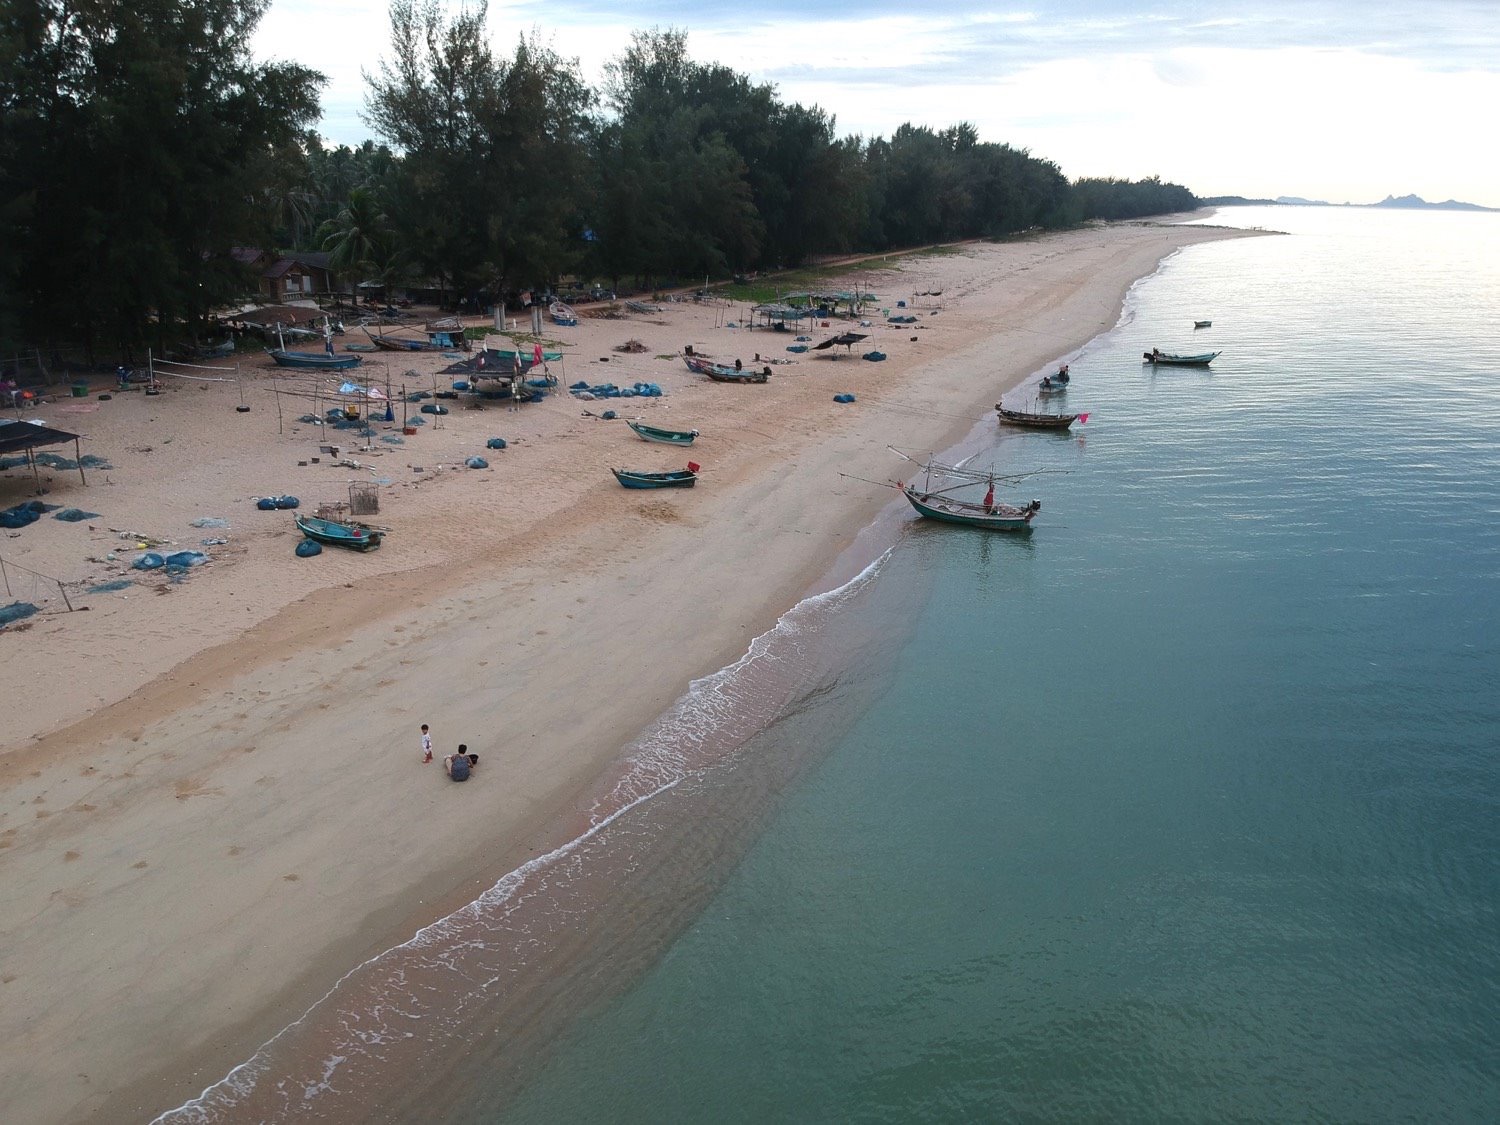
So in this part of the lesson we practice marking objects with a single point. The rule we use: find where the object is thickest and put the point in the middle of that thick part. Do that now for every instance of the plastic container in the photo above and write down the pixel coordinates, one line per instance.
(80, 390)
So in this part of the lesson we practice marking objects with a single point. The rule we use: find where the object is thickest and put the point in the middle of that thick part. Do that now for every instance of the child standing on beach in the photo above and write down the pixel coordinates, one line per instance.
(426, 744)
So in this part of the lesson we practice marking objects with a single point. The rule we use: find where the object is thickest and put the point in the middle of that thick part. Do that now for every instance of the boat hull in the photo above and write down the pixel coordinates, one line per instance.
(312, 361)
(664, 437)
(1035, 421)
(1163, 359)
(1003, 517)
(682, 478)
(354, 536)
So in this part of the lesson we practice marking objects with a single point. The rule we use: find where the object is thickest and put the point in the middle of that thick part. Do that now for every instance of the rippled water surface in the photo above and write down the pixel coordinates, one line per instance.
(1184, 808)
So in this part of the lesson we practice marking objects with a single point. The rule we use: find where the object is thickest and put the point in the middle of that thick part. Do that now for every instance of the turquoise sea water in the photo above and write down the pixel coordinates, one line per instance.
(1182, 808)
(1186, 807)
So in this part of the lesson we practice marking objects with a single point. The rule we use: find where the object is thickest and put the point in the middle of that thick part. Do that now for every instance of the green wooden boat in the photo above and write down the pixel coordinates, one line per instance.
(666, 437)
(340, 533)
(949, 509)
(681, 478)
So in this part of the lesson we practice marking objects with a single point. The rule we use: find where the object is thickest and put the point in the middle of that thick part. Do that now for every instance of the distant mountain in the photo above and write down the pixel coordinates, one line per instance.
(1407, 202)
(1416, 202)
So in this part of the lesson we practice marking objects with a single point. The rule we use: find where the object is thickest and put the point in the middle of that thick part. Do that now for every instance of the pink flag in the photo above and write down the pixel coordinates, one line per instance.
(536, 354)
(1083, 417)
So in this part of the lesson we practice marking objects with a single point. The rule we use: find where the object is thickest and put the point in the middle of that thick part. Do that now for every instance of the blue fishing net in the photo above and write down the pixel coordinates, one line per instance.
(15, 611)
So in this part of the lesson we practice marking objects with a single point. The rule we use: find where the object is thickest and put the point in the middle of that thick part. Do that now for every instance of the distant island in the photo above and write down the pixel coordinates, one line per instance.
(1402, 202)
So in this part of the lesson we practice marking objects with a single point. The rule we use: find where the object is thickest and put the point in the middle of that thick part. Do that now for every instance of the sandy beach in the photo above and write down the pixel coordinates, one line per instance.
(215, 803)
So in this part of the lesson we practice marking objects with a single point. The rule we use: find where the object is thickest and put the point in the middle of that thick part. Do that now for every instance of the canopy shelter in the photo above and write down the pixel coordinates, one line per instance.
(830, 302)
(27, 436)
(777, 314)
(510, 365)
(847, 339)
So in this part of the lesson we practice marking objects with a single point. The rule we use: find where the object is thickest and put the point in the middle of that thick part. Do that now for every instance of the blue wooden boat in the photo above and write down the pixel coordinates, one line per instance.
(316, 361)
(1168, 359)
(563, 315)
(665, 437)
(340, 533)
(681, 478)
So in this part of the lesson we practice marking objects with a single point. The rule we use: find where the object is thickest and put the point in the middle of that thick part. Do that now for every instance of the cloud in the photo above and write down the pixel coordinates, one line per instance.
(1303, 97)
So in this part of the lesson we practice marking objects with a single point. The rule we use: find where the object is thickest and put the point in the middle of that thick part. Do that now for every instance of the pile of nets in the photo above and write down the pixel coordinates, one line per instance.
(846, 397)
(24, 513)
(15, 612)
(609, 390)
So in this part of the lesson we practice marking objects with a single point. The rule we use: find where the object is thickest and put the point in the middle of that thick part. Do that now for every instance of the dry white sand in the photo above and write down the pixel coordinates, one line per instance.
(213, 799)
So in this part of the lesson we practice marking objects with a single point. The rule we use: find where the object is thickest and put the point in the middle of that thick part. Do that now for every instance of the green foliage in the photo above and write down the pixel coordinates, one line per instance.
(491, 184)
(154, 134)
(162, 145)
(1123, 199)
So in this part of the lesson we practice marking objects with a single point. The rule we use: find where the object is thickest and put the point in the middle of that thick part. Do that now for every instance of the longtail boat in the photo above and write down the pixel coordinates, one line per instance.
(665, 437)
(939, 500)
(1036, 420)
(1203, 324)
(681, 478)
(563, 315)
(340, 533)
(994, 516)
(1168, 359)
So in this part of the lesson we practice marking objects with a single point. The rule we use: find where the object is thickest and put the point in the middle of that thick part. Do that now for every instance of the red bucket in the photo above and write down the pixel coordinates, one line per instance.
(693, 466)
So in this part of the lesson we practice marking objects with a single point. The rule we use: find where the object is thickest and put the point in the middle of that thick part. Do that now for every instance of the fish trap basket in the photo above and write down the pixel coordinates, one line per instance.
(364, 499)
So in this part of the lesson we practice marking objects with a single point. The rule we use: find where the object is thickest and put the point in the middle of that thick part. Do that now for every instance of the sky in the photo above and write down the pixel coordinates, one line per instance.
(1336, 100)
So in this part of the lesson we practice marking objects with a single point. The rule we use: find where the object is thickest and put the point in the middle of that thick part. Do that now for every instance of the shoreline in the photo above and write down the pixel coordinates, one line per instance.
(235, 833)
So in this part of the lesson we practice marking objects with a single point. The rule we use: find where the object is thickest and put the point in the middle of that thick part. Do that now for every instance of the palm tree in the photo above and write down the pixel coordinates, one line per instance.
(357, 237)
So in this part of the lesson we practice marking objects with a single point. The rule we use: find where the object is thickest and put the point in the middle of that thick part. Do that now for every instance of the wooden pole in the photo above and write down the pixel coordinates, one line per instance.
(61, 589)
(78, 453)
(31, 456)
(6, 577)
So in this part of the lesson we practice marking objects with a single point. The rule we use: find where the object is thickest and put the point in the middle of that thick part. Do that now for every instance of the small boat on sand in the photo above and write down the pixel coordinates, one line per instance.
(665, 437)
(680, 478)
(340, 533)
(1203, 324)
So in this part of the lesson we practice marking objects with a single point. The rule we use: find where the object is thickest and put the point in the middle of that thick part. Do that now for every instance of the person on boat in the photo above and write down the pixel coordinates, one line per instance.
(989, 500)
(738, 366)
(460, 765)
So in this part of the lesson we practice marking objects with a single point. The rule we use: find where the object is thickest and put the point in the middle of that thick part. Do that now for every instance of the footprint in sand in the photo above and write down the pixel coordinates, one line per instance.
(138, 864)
(69, 857)
(291, 878)
(235, 850)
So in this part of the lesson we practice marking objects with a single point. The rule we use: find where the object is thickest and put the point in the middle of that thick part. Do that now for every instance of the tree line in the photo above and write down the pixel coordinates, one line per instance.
(141, 143)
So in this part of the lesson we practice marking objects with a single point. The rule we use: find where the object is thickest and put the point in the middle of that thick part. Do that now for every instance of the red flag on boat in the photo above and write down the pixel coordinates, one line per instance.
(989, 498)
(536, 354)
(1083, 417)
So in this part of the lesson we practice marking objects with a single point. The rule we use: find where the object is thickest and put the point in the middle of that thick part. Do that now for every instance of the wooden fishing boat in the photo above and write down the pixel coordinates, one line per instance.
(941, 501)
(1168, 359)
(665, 437)
(563, 315)
(680, 478)
(1203, 324)
(340, 533)
(399, 343)
(949, 509)
(317, 361)
(1038, 421)
(720, 374)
